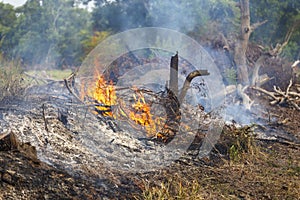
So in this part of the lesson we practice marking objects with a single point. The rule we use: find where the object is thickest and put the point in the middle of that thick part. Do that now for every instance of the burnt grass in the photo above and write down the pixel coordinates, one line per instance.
(254, 169)
(262, 170)
(259, 169)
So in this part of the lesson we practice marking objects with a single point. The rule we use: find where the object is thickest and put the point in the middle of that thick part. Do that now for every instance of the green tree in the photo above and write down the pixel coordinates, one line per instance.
(7, 21)
(282, 16)
(120, 15)
(50, 33)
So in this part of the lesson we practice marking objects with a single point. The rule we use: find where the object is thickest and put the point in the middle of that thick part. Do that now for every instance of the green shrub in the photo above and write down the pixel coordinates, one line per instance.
(230, 76)
(242, 141)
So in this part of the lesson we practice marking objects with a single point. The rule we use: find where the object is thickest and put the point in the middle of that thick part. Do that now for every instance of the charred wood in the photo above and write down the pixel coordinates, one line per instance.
(174, 74)
(188, 81)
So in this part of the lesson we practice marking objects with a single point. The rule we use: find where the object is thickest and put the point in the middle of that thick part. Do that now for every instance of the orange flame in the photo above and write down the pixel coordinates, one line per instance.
(139, 111)
(104, 93)
(141, 114)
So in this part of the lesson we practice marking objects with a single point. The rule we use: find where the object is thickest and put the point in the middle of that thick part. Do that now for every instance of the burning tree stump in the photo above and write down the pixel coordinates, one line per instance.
(174, 99)
(171, 126)
(109, 108)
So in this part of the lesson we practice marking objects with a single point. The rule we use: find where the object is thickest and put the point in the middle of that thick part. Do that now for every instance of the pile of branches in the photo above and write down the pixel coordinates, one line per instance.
(290, 96)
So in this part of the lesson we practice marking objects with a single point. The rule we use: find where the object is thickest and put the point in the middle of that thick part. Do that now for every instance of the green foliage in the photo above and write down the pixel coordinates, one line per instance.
(59, 33)
(290, 51)
(281, 16)
(230, 76)
(91, 42)
(241, 142)
(7, 20)
(49, 34)
(120, 15)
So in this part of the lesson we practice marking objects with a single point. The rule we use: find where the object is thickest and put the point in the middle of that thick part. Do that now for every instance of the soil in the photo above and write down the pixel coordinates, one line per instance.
(267, 169)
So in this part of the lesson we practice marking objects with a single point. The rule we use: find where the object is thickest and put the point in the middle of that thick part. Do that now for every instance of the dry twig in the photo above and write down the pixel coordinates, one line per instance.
(280, 97)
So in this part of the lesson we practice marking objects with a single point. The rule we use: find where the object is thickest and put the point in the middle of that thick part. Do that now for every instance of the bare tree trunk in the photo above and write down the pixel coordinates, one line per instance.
(242, 43)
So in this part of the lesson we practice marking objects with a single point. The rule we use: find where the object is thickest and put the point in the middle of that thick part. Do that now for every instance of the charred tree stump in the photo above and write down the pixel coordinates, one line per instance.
(174, 74)
(171, 104)
(171, 126)
(173, 100)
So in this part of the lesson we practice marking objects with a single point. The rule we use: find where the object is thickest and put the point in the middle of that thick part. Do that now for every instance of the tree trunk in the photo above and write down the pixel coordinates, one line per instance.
(242, 44)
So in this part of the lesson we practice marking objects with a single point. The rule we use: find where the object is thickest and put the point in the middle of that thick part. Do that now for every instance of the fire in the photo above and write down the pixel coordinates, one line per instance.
(139, 111)
(141, 114)
(105, 94)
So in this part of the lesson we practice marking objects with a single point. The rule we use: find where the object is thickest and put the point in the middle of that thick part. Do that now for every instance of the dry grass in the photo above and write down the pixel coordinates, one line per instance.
(11, 79)
(54, 74)
(175, 188)
(253, 172)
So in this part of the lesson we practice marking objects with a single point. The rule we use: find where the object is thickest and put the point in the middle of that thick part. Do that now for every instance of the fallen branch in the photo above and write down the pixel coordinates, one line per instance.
(71, 79)
(188, 81)
(284, 142)
(271, 94)
(281, 97)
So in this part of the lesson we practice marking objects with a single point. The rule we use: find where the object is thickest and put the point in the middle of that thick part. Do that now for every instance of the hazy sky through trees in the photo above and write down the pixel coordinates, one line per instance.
(15, 3)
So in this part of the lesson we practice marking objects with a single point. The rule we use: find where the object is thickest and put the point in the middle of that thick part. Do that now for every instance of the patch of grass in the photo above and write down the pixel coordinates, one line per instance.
(174, 189)
(11, 79)
(249, 178)
(238, 142)
(54, 74)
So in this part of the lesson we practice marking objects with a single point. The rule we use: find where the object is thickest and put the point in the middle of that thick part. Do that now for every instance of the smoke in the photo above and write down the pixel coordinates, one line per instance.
(176, 15)
(53, 37)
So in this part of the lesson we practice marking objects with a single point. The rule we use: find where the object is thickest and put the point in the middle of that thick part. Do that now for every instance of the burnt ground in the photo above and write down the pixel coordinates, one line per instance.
(258, 169)
(265, 169)
(268, 170)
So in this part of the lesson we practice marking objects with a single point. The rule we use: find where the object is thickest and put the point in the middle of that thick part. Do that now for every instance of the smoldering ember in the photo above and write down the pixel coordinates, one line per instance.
(150, 113)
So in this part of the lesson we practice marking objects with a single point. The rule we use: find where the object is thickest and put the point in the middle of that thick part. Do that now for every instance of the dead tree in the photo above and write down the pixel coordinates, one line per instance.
(188, 81)
(242, 43)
